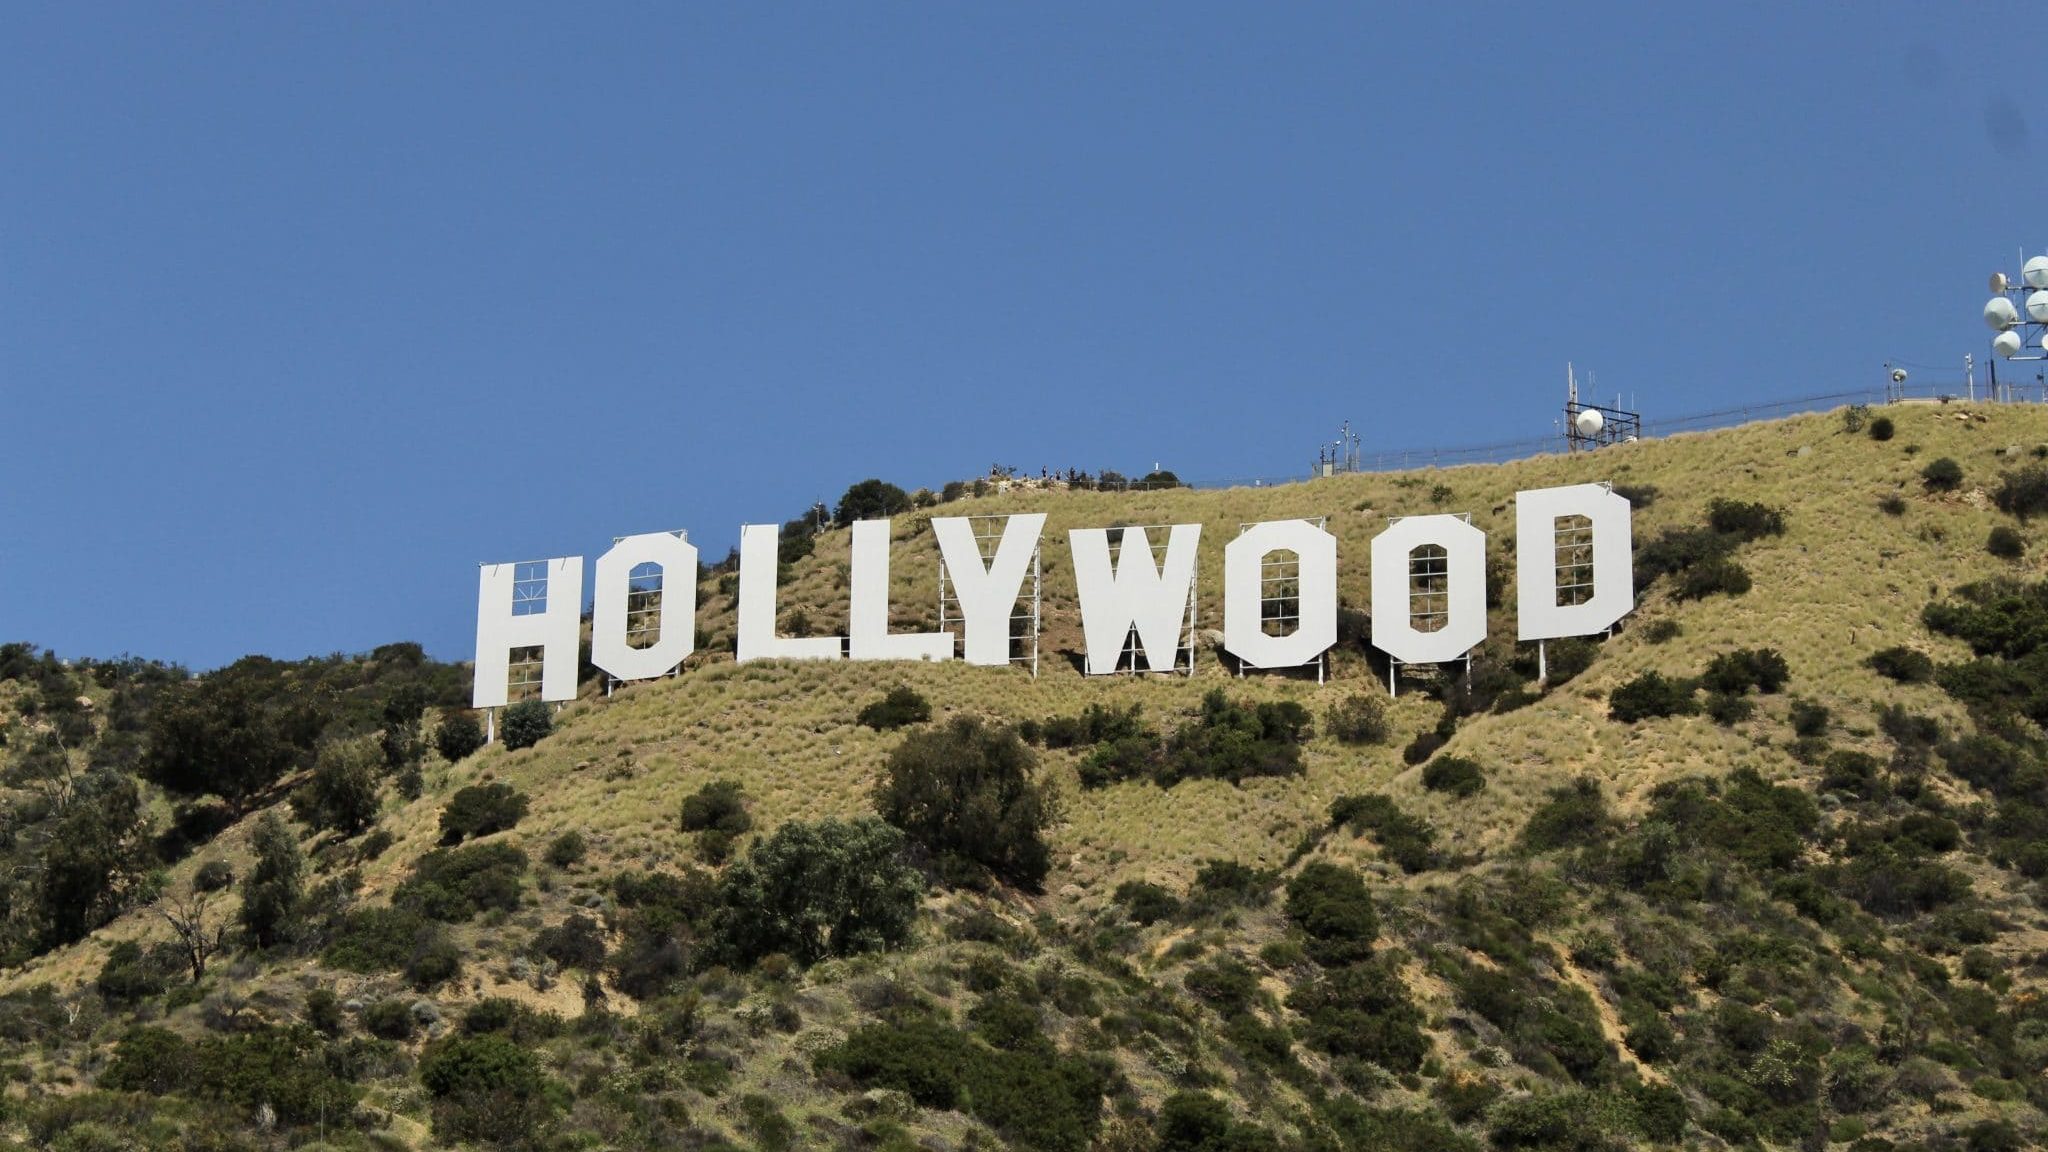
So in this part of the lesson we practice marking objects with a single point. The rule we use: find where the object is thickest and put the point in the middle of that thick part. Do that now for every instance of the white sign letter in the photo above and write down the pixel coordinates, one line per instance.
(868, 630)
(609, 650)
(760, 555)
(1464, 589)
(987, 592)
(1316, 588)
(556, 629)
(1539, 615)
(1137, 594)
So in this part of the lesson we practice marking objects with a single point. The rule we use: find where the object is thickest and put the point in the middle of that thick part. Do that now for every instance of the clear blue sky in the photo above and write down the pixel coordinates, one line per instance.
(306, 310)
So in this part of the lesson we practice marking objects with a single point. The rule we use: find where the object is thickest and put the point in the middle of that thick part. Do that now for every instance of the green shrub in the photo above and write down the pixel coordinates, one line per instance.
(454, 884)
(435, 960)
(376, 940)
(1146, 902)
(1905, 665)
(1745, 521)
(2023, 493)
(2005, 543)
(528, 723)
(458, 735)
(1234, 741)
(149, 1059)
(486, 1088)
(568, 849)
(832, 888)
(323, 1011)
(1720, 575)
(901, 708)
(1227, 883)
(1566, 657)
(1407, 840)
(1892, 504)
(1360, 718)
(1734, 673)
(1454, 774)
(871, 499)
(720, 806)
(213, 876)
(1943, 475)
(284, 1069)
(343, 792)
(272, 891)
(577, 942)
(1809, 718)
(1331, 906)
(1363, 1011)
(1854, 417)
(1572, 815)
(1651, 695)
(480, 810)
(129, 975)
(1727, 709)
(389, 1019)
(1881, 429)
(965, 794)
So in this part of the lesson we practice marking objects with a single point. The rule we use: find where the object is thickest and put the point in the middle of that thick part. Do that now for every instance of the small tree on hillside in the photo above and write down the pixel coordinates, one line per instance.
(197, 940)
(965, 793)
(274, 887)
(871, 500)
(809, 891)
(458, 736)
(343, 792)
(528, 723)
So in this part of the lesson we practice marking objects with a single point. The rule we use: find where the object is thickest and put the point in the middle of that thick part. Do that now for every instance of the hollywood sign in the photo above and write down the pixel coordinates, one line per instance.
(1134, 593)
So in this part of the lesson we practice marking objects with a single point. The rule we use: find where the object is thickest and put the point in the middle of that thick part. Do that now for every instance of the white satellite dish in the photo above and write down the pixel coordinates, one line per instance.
(2036, 272)
(2037, 307)
(1999, 314)
(2006, 344)
(2000, 282)
(1589, 422)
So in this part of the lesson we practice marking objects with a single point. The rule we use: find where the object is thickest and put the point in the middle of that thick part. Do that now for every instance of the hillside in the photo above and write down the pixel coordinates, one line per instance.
(1806, 913)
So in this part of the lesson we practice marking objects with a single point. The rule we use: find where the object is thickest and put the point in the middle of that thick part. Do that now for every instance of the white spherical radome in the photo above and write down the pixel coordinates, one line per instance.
(1999, 314)
(2036, 272)
(1589, 422)
(2007, 344)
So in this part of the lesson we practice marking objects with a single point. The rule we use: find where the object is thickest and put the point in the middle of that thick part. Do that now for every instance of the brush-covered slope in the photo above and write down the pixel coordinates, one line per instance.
(1804, 910)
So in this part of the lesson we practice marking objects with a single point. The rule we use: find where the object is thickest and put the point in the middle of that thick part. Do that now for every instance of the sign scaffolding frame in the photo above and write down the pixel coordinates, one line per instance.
(988, 536)
(1280, 598)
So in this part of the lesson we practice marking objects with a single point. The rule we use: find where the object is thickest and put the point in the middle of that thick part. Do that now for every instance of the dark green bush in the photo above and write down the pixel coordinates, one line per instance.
(1651, 695)
(486, 1088)
(1363, 1011)
(480, 810)
(1745, 669)
(376, 940)
(1331, 906)
(577, 942)
(1721, 575)
(901, 708)
(809, 891)
(1236, 740)
(389, 1019)
(272, 890)
(454, 884)
(2005, 543)
(871, 499)
(213, 876)
(2023, 493)
(719, 806)
(1574, 814)
(1406, 840)
(1892, 504)
(1745, 521)
(1881, 429)
(528, 723)
(150, 1059)
(1454, 774)
(129, 975)
(1905, 665)
(1809, 718)
(323, 1011)
(1728, 710)
(965, 794)
(1147, 902)
(1943, 475)
(342, 793)
(283, 1068)
(1360, 718)
(458, 735)
(1227, 883)
(568, 849)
